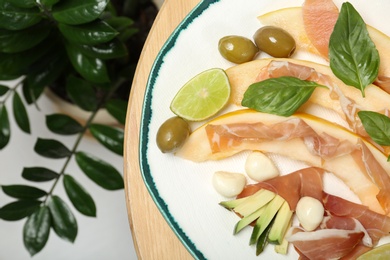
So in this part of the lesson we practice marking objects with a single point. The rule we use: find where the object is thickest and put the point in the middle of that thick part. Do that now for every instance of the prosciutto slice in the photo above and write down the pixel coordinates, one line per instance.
(291, 187)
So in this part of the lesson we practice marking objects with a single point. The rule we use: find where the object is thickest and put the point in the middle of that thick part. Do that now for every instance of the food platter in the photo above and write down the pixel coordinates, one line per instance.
(182, 189)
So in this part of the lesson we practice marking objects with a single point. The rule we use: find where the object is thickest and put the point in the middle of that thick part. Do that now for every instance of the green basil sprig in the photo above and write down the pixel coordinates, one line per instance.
(377, 126)
(352, 54)
(280, 96)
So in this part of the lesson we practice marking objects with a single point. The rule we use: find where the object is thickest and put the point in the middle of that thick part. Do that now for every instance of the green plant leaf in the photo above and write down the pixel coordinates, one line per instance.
(16, 18)
(63, 124)
(63, 221)
(51, 148)
(82, 93)
(92, 69)
(110, 137)
(352, 54)
(78, 12)
(3, 90)
(5, 131)
(23, 3)
(36, 230)
(19, 209)
(39, 174)
(377, 126)
(23, 191)
(17, 41)
(120, 23)
(49, 3)
(110, 50)
(126, 34)
(79, 197)
(102, 173)
(280, 96)
(91, 33)
(20, 113)
(117, 108)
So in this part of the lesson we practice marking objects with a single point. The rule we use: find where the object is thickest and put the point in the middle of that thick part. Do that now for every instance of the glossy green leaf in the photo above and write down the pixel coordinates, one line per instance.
(19, 209)
(90, 34)
(353, 56)
(49, 3)
(280, 96)
(23, 191)
(63, 221)
(110, 137)
(45, 73)
(23, 3)
(3, 90)
(78, 12)
(17, 41)
(79, 197)
(102, 173)
(117, 108)
(111, 50)
(120, 23)
(63, 124)
(36, 230)
(16, 18)
(39, 174)
(82, 93)
(51, 148)
(92, 69)
(377, 126)
(20, 113)
(5, 131)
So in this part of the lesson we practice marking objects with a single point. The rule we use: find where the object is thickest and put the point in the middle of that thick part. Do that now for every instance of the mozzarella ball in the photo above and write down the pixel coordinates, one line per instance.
(310, 213)
(259, 167)
(228, 184)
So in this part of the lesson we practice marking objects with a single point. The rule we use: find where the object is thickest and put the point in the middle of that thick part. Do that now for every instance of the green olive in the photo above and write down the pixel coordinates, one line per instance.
(172, 134)
(237, 49)
(274, 41)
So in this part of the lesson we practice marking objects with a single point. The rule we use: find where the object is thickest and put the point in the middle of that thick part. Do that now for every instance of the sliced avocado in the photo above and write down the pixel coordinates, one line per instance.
(265, 219)
(263, 241)
(245, 221)
(254, 202)
(282, 248)
(247, 205)
(282, 221)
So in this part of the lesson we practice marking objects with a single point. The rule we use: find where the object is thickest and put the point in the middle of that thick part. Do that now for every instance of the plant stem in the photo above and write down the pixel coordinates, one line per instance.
(12, 90)
(82, 133)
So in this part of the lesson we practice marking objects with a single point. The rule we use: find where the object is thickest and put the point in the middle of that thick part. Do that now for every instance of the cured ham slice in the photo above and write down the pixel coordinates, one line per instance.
(377, 225)
(325, 244)
(291, 187)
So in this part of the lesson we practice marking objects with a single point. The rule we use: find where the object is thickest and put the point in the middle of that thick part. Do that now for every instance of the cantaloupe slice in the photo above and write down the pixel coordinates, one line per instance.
(197, 148)
(291, 20)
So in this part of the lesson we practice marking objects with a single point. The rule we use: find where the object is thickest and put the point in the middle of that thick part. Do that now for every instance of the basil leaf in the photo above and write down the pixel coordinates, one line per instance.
(63, 221)
(280, 96)
(63, 124)
(51, 149)
(102, 173)
(19, 209)
(23, 191)
(5, 131)
(352, 54)
(79, 197)
(36, 230)
(20, 113)
(39, 174)
(110, 137)
(377, 126)
(78, 12)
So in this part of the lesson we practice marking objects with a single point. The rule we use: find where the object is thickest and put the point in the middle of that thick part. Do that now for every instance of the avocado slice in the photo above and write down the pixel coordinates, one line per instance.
(245, 221)
(281, 223)
(265, 219)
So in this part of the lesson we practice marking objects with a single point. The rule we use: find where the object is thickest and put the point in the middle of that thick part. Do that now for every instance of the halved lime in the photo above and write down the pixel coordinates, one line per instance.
(379, 253)
(203, 96)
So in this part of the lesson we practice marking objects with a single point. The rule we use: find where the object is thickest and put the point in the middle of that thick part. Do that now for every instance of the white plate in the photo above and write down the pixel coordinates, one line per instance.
(182, 189)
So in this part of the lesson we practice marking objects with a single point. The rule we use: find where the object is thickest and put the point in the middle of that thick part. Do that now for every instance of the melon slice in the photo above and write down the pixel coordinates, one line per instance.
(197, 148)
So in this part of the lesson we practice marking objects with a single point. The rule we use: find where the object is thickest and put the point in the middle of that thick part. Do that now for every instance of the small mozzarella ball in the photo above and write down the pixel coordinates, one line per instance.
(228, 184)
(310, 213)
(259, 167)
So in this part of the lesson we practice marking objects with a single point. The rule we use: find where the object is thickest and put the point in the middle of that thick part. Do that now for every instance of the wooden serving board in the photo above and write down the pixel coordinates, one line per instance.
(153, 238)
